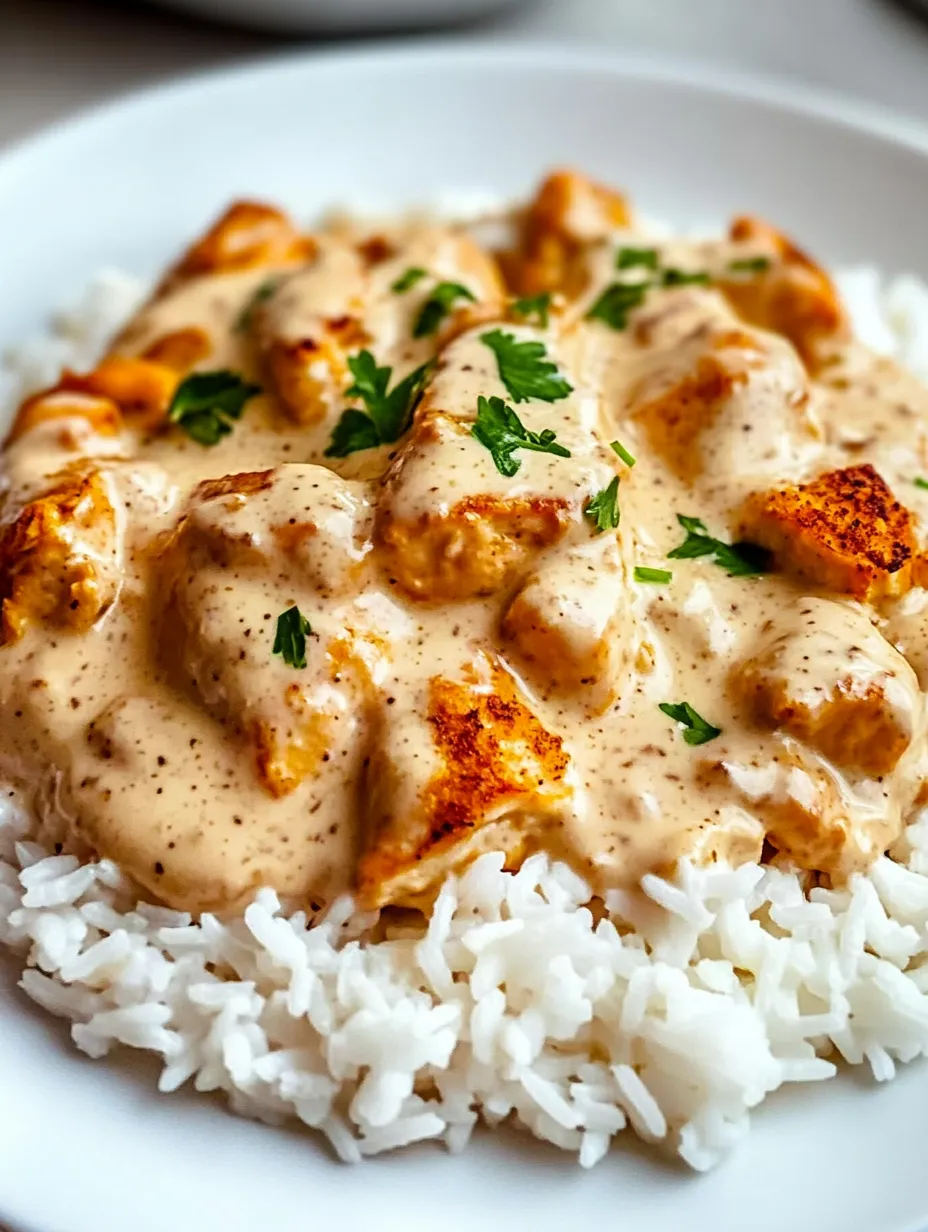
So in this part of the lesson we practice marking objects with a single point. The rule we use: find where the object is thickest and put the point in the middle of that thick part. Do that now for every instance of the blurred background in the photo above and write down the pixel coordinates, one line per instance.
(60, 55)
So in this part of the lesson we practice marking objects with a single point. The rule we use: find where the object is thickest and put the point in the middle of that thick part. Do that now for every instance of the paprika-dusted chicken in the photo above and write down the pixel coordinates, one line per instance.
(362, 552)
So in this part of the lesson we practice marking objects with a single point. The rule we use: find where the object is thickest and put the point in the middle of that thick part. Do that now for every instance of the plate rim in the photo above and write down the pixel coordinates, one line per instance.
(778, 91)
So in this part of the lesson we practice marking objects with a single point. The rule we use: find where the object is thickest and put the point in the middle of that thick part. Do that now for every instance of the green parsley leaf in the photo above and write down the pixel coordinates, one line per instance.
(632, 258)
(697, 730)
(290, 638)
(603, 508)
(354, 431)
(749, 265)
(644, 574)
(500, 430)
(407, 281)
(616, 302)
(388, 414)
(536, 306)
(619, 448)
(265, 291)
(681, 278)
(525, 369)
(437, 307)
(738, 559)
(206, 403)
(921, 483)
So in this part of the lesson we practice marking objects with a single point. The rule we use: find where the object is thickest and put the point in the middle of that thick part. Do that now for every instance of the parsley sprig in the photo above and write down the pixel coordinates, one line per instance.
(531, 307)
(631, 258)
(921, 483)
(696, 729)
(658, 576)
(438, 306)
(603, 508)
(500, 430)
(749, 265)
(524, 368)
(408, 280)
(737, 559)
(619, 299)
(206, 404)
(263, 292)
(290, 638)
(387, 415)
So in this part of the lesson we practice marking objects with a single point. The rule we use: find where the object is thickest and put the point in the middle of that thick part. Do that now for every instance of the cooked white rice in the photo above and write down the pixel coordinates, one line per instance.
(673, 1017)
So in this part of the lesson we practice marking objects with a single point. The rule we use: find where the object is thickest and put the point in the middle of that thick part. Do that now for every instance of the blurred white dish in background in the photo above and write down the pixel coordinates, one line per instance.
(305, 16)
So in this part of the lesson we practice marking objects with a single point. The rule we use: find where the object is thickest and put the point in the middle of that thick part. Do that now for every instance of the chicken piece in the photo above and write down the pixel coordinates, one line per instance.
(726, 402)
(826, 676)
(59, 557)
(296, 536)
(907, 629)
(343, 303)
(844, 532)
(118, 390)
(60, 404)
(568, 213)
(461, 766)
(180, 349)
(571, 625)
(793, 296)
(248, 235)
(450, 526)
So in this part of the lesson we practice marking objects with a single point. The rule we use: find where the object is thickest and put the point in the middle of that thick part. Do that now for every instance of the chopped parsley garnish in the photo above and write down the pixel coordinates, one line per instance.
(265, 291)
(617, 301)
(407, 281)
(749, 265)
(682, 278)
(921, 483)
(737, 559)
(537, 306)
(619, 448)
(290, 638)
(644, 574)
(524, 368)
(387, 415)
(437, 307)
(632, 258)
(603, 508)
(500, 429)
(696, 729)
(206, 404)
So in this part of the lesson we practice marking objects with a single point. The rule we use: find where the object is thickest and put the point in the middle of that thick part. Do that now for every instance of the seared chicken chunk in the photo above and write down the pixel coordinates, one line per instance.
(342, 303)
(449, 524)
(461, 765)
(825, 675)
(248, 235)
(59, 557)
(570, 623)
(274, 538)
(726, 402)
(568, 213)
(791, 296)
(844, 531)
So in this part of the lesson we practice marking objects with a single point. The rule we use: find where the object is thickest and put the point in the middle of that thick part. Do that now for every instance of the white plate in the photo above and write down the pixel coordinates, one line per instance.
(88, 1147)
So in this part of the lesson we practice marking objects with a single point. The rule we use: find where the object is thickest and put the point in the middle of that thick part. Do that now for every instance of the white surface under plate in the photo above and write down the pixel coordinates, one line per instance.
(89, 1147)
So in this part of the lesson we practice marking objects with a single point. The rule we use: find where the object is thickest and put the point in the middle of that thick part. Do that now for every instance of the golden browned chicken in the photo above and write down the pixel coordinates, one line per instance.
(360, 553)
(844, 531)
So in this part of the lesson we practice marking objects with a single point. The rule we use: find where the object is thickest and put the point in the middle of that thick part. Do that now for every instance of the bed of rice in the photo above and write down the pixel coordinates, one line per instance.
(671, 1013)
